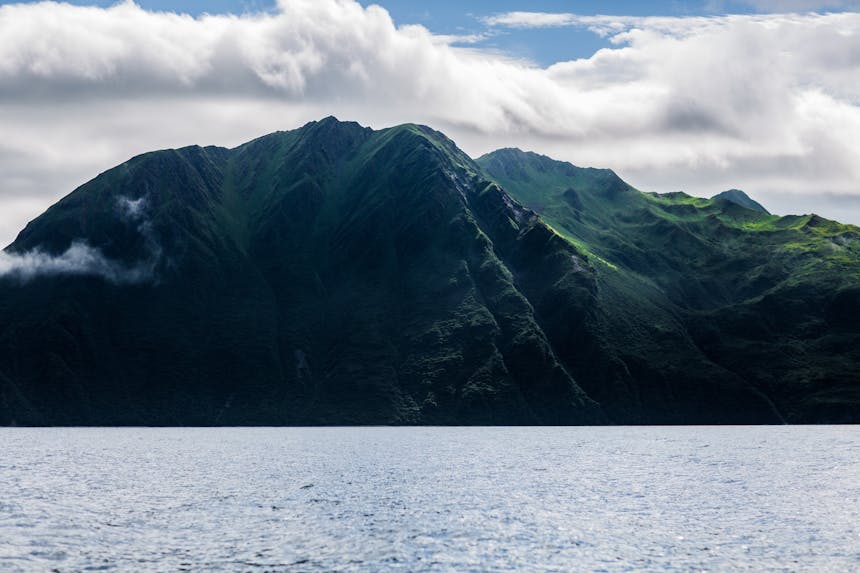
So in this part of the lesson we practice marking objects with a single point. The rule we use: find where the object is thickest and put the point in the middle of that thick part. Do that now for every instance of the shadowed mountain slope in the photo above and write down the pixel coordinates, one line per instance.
(339, 275)
(331, 274)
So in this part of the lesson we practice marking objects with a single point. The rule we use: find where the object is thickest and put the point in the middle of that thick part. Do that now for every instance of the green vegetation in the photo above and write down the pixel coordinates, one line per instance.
(743, 295)
(738, 197)
(331, 274)
(337, 275)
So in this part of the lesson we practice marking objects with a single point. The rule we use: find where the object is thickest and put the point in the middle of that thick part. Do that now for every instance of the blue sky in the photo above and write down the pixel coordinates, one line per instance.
(543, 46)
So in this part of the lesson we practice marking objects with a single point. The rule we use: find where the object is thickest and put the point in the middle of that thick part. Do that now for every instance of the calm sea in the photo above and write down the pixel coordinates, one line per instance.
(430, 499)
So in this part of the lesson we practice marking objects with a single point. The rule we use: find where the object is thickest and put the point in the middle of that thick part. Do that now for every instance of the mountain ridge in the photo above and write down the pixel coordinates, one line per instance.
(740, 198)
(337, 274)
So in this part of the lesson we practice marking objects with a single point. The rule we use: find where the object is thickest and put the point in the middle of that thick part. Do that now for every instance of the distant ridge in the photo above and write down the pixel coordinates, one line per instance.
(738, 197)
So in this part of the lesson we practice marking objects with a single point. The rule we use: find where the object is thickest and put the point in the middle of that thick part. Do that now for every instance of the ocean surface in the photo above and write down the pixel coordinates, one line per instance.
(430, 499)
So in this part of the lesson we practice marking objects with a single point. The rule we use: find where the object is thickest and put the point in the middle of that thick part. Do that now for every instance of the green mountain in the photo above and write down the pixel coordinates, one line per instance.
(738, 197)
(694, 293)
(340, 275)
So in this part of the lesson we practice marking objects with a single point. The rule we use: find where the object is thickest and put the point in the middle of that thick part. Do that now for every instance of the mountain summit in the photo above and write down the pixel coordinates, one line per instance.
(339, 275)
(738, 197)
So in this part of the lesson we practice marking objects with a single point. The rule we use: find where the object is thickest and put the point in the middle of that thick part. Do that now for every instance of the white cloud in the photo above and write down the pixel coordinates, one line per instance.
(768, 103)
(520, 19)
(79, 259)
(131, 209)
(82, 259)
(802, 5)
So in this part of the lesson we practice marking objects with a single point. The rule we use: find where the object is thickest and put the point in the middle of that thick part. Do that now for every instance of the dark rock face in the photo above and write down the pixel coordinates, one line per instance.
(340, 275)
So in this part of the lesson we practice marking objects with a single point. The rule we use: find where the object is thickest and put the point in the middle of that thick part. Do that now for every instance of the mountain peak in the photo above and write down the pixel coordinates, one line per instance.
(513, 159)
(352, 275)
(332, 125)
(738, 197)
(327, 121)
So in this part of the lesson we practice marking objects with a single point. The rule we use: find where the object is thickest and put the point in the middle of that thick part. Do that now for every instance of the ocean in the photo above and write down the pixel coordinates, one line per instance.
(773, 498)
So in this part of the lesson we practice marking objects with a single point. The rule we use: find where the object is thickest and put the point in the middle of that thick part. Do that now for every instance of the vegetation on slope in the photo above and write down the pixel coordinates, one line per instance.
(771, 301)
(339, 275)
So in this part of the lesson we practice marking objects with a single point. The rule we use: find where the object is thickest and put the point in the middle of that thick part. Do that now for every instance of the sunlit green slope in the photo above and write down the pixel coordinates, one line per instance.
(691, 285)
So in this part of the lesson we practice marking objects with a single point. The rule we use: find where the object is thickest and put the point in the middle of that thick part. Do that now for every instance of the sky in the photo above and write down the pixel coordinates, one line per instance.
(699, 96)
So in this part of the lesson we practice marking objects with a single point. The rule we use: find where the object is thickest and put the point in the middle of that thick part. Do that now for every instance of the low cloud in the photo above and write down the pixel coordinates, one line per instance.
(131, 209)
(84, 260)
(79, 259)
(767, 103)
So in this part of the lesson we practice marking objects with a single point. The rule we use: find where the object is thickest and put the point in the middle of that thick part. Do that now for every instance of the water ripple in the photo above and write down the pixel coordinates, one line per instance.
(430, 499)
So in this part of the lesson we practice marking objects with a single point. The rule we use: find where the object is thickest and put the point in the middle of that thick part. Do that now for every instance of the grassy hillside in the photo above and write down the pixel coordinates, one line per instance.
(769, 300)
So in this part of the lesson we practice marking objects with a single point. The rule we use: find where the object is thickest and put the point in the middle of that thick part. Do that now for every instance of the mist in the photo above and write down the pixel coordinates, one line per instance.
(79, 259)
(83, 259)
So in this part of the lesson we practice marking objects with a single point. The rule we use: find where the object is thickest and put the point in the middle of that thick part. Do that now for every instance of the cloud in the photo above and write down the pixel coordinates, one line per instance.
(533, 19)
(802, 5)
(78, 259)
(84, 260)
(131, 209)
(767, 103)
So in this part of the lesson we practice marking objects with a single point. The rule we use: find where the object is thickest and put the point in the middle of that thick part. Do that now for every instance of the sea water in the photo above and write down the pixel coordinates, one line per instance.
(430, 499)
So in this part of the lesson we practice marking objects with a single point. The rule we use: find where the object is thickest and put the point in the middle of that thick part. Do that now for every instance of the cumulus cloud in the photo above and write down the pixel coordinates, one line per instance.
(84, 260)
(768, 103)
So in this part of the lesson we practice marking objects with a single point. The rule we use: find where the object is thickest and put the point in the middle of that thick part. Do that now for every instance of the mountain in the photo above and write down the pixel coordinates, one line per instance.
(339, 275)
(738, 197)
(695, 293)
(331, 274)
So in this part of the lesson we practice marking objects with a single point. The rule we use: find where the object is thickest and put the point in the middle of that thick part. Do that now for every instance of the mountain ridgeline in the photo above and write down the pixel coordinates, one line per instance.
(339, 275)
